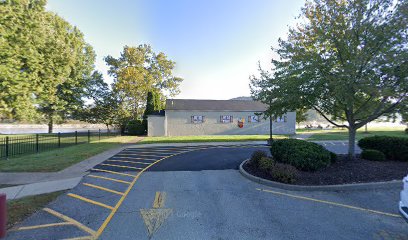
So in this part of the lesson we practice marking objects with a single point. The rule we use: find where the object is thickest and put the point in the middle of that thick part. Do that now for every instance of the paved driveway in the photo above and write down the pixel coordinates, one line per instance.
(195, 192)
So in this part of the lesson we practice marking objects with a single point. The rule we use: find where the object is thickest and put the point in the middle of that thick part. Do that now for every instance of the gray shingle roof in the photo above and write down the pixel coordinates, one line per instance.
(214, 105)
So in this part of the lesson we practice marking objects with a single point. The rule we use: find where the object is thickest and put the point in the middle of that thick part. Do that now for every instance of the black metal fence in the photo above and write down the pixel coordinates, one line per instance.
(35, 143)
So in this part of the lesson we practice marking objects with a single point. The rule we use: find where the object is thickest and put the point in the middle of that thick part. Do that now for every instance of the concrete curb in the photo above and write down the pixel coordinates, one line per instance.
(39, 188)
(343, 187)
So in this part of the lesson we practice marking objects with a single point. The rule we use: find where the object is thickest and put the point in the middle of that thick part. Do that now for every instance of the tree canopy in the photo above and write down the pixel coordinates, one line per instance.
(137, 72)
(45, 63)
(345, 59)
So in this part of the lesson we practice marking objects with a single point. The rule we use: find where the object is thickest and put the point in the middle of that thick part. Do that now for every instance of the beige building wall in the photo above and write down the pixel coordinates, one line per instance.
(179, 124)
(156, 126)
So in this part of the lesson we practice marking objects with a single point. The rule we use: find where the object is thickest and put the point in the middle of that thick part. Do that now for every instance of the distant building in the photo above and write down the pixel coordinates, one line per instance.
(183, 117)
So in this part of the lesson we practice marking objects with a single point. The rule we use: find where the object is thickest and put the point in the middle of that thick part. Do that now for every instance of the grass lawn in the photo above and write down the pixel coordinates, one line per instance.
(214, 138)
(59, 159)
(18, 210)
(339, 134)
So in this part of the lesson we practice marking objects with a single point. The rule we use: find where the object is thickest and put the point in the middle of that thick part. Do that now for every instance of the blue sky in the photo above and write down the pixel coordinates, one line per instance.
(215, 43)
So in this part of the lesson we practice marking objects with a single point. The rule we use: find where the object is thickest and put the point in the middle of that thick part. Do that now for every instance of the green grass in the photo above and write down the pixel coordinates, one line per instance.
(342, 134)
(214, 138)
(18, 210)
(26, 144)
(59, 159)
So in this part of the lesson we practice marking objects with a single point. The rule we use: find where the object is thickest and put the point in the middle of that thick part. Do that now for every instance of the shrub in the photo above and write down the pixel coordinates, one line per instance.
(406, 130)
(394, 148)
(283, 173)
(265, 163)
(373, 155)
(135, 127)
(301, 154)
(256, 157)
(333, 157)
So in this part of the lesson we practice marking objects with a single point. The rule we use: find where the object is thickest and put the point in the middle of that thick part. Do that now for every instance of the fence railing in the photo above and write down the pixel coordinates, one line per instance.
(35, 143)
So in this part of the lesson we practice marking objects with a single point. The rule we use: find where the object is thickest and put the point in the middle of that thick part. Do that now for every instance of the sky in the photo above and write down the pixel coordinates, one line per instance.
(216, 44)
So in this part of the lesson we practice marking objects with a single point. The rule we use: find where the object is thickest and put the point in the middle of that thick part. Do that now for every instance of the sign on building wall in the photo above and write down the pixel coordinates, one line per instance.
(241, 122)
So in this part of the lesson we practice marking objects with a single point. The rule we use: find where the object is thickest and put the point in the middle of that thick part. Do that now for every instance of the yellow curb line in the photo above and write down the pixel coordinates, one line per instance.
(102, 188)
(330, 203)
(110, 179)
(68, 219)
(89, 201)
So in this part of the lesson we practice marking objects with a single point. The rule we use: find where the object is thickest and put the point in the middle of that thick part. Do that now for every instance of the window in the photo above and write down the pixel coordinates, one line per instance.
(197, 119)
(226, 119)
(281, 119)
(253, 119)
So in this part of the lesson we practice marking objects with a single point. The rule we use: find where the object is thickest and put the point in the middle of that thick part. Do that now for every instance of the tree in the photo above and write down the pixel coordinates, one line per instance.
(45, 63)
(347, 60)
(21, 33)
(68, 64)
(153, 104)
(301, 115)
(136, 72)
(103, 108)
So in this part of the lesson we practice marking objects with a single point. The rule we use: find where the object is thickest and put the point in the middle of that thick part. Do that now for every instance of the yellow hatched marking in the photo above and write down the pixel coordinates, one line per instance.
(124, 161)
(108, 171)
(138, 158)
(159, 200)
(110, 179)
(102, 188)
(89, 201)
(330, 203)
(43, 226)
(80, 238)
(68, 219)
(120, 166)
(119, 203)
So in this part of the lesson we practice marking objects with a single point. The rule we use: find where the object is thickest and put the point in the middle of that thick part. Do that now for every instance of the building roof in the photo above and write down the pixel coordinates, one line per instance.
(214, 105)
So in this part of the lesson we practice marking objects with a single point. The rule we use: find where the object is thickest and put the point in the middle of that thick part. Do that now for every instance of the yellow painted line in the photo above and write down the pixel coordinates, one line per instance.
(102, 188)
(159, 200)
(110, 179)
(120, 166)
(80, 238)
(108, 171)
(124, 161)
(89, 201)
(330, 203)
(138, 158)
(119, 203)
(73, 221)
(42, 226)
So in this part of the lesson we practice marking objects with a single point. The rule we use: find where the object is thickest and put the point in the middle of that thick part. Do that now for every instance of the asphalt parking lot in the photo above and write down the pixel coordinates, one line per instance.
(195, 192)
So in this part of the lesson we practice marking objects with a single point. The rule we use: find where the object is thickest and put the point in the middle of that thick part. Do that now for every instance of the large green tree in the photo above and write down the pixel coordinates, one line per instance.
(136, 72)
(45, 63)
(346, 59)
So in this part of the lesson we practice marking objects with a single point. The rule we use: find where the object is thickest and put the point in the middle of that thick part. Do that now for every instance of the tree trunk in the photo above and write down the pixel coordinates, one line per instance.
(352, 142)
(50, 122)
(107, 127)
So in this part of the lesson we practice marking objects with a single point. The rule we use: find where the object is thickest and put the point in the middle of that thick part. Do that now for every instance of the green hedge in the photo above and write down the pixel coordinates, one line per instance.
(136, 127)
(257, 156)
(373, 155)
(394, 148)
(301, 154)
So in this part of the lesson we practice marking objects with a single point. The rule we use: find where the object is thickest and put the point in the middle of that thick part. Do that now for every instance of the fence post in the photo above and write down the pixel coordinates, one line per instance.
(59, 139)
(89, 136)
(76, 137)
(99, 134)
(3, 215)
(37, 145)
(7, 147)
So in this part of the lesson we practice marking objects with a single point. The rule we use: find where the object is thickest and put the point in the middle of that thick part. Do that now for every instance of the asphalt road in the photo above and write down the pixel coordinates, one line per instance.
(197, 193)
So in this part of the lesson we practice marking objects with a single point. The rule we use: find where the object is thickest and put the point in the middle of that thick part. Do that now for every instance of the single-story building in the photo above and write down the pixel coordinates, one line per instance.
(183, 117)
